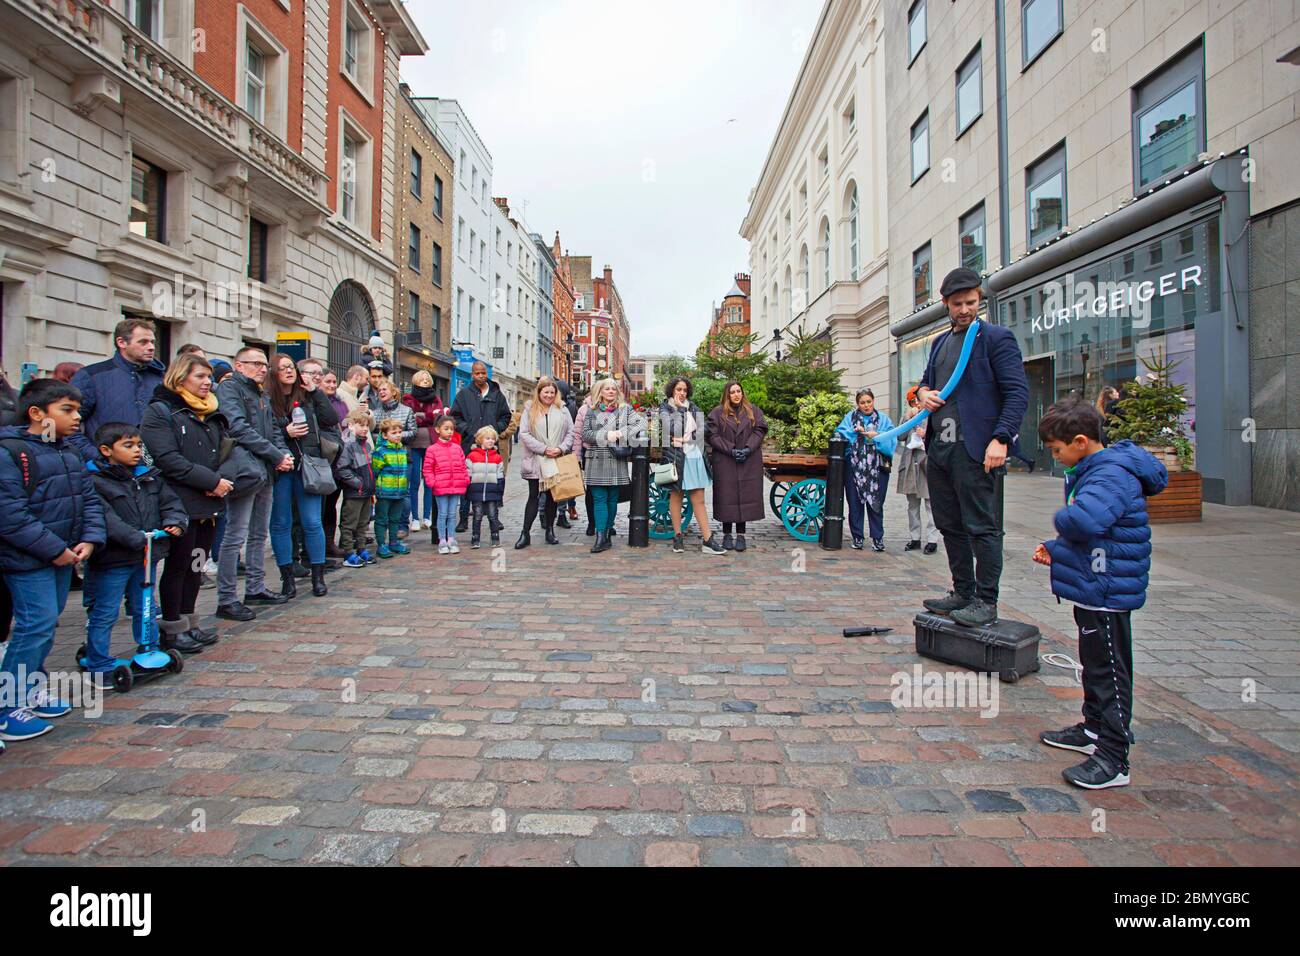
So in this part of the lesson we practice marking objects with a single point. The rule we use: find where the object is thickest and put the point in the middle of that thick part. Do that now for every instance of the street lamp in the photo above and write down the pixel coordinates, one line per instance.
(776, 337)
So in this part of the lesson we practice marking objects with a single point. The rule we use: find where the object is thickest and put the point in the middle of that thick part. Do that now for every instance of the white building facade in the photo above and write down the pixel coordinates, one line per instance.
(817, 223)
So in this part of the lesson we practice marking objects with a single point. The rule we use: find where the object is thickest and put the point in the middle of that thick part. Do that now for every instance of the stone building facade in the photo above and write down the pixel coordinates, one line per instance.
(224, 169)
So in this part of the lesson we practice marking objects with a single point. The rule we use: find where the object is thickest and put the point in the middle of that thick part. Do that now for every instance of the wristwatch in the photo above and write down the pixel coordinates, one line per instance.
(1003, 437)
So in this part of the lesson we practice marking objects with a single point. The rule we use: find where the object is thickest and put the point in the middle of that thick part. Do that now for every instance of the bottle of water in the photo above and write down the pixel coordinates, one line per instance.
(298, 416)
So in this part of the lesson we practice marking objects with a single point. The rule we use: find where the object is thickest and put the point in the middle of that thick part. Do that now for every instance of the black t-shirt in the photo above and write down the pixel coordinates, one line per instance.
(945, 363)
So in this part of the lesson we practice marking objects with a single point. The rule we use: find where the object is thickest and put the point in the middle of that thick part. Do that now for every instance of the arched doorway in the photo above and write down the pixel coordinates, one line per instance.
(351, 321)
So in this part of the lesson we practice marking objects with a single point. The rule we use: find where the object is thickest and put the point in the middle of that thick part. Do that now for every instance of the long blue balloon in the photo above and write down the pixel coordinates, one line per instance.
(944, 392)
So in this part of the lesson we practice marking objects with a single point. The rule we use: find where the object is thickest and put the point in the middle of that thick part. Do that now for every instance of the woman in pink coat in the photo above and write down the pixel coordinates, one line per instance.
(447, 474)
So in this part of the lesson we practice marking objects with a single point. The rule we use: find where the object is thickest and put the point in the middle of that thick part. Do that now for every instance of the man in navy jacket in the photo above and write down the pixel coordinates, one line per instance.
(967, 443)
(120, 388)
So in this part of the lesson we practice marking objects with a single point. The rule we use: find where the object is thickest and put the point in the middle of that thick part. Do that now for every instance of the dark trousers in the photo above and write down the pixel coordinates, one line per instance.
(352, 527)
(178, 588)
(875, 516)
(530, 509)
(726, 527)
(388, 518)
(967, 506)
(1106, 653)
(489, 508)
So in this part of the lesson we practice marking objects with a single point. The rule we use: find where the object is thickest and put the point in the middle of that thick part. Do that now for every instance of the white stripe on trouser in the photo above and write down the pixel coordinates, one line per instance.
(1104, 620)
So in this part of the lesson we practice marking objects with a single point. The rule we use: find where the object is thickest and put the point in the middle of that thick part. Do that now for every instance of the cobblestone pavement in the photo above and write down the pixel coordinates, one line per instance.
(554, 707)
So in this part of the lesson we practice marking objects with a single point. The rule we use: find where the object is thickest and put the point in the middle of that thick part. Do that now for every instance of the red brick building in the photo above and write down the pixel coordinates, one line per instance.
(733, 314)
(562, 304)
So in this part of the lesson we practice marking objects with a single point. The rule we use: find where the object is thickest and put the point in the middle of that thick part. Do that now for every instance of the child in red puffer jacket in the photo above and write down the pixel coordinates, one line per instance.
(446, 473)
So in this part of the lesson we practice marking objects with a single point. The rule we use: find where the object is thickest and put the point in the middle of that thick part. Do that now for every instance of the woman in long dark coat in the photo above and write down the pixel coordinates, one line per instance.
(736, 430)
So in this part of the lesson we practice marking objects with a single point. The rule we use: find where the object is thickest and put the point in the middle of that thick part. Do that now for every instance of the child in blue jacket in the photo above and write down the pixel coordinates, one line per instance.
(50, 518)
(1100, 560)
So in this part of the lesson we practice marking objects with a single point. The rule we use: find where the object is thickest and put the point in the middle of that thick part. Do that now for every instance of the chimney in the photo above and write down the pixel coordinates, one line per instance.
(609, 274)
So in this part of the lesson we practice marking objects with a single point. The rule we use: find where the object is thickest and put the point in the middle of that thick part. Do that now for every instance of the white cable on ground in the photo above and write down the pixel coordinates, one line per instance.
(1065, 660)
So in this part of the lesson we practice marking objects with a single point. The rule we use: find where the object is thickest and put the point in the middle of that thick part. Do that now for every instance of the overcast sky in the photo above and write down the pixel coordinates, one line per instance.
(636, 129)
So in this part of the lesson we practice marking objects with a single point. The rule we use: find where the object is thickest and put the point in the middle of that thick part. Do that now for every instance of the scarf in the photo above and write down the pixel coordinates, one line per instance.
(864, 462)
(202, 407)
(425, 396)
(550, 433)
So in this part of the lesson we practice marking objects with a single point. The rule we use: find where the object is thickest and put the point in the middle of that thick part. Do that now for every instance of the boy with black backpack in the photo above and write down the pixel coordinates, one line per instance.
(50, 518)
(137, 500)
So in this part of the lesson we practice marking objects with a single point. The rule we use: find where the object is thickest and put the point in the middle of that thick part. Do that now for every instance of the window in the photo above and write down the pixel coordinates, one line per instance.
(255, 83)
(417, 172)
(803, 199)
(357, 44)
(258, 236)
(460, 237)
(921, 276)
(1168, 121)
(915, 30)
(473, 179)
(349, 187)
(970, 92)
(1045, 205)
(853, 234)
(413, 313)
(462, 166)
(473, 242)
(460, 311)
(970, 239)
(824, 250)
(437, 326)
(437, 196)
(582, 328)
(351, 48)
(1040, 24)
(803, 277)
(435, 264)
(921, 146)
(787, 224)
(148, 200)
(484, 191)
(824, 163)
(413, 249)
(482, 256)
(851, 117)
(144, 16)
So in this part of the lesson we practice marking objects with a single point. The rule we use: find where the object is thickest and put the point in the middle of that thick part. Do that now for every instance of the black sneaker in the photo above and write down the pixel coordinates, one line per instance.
(930, 548)
(946, 605)
(727, 543)
(678, 546)
(462, 526)
(740, 542)
(976, 614)
(1096, 773)
(712, 546)
(912, 546)
(266, 597)
(236, 612)
(877, 544)
(857, 544)
(1071, 738)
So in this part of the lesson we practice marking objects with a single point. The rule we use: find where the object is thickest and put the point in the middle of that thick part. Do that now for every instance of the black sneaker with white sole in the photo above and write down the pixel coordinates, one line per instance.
(712, 546)
(678, 546)
(1071, 738)
(1096, 773)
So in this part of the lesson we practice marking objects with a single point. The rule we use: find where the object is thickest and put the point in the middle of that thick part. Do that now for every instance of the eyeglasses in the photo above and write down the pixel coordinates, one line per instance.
(253, 364)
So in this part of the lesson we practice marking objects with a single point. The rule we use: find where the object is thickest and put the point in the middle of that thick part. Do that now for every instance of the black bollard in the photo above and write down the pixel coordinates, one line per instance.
(832, 534)
(638, 519)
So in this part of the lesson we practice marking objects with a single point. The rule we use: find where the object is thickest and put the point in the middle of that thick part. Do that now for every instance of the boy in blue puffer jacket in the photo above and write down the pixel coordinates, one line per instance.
(1100, 560)
(50, 518)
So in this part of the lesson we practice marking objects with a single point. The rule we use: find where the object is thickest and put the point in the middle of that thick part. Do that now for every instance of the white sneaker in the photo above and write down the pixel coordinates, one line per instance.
(453, 547)
(427, 523)
(415, 524)
(443, 549)
(210, 567)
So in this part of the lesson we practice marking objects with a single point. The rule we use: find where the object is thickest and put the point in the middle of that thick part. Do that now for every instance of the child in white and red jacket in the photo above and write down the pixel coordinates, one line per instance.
(446, 473)
(487, 483)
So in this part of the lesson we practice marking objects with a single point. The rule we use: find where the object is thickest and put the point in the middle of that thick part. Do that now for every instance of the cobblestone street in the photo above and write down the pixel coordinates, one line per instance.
(641, 707)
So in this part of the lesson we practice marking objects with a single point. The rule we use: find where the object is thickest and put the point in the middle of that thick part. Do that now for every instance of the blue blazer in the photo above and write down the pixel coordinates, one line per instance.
(993, 394)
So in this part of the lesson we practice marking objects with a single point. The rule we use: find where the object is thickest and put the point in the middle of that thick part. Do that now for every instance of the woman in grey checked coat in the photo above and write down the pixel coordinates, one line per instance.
(609, 424)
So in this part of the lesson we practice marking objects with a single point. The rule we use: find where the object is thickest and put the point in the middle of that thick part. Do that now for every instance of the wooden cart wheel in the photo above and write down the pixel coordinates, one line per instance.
(803, 509)
(661, 519)
(775, 496)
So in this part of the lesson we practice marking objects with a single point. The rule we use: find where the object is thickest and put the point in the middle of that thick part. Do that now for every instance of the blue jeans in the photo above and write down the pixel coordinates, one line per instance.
(415, 481)
(218, 537)
(288, 491)
(448, 512)
(102, 596)
(39, 597)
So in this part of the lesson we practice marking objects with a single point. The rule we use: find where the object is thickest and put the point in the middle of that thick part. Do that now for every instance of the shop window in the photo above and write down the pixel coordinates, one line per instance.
(1040, 24)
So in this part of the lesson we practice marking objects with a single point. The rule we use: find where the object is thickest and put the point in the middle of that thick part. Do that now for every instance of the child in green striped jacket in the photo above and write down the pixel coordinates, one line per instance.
(389, 462)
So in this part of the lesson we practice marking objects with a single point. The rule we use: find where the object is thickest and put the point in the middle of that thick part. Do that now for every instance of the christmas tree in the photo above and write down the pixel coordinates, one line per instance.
(1150, 409)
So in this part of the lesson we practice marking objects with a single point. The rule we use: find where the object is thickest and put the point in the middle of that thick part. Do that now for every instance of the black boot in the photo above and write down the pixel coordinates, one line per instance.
(174, 635)
(591, 529)
(602, 543)
(550, 535)
(288, 588)
(525, 539)
(563, 520)
(318, 580)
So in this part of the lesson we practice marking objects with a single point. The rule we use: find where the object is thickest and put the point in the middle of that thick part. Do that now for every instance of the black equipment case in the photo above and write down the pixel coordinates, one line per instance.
(1008, 647)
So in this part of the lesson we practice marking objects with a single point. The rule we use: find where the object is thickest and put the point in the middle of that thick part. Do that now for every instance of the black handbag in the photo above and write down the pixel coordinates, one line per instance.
(317, 476)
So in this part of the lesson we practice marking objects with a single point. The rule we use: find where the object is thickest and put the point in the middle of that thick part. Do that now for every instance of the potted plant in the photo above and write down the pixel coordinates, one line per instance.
(1150, 413)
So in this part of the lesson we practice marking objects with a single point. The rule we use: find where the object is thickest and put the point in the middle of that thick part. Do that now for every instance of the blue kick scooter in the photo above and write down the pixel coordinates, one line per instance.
(149, 660)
